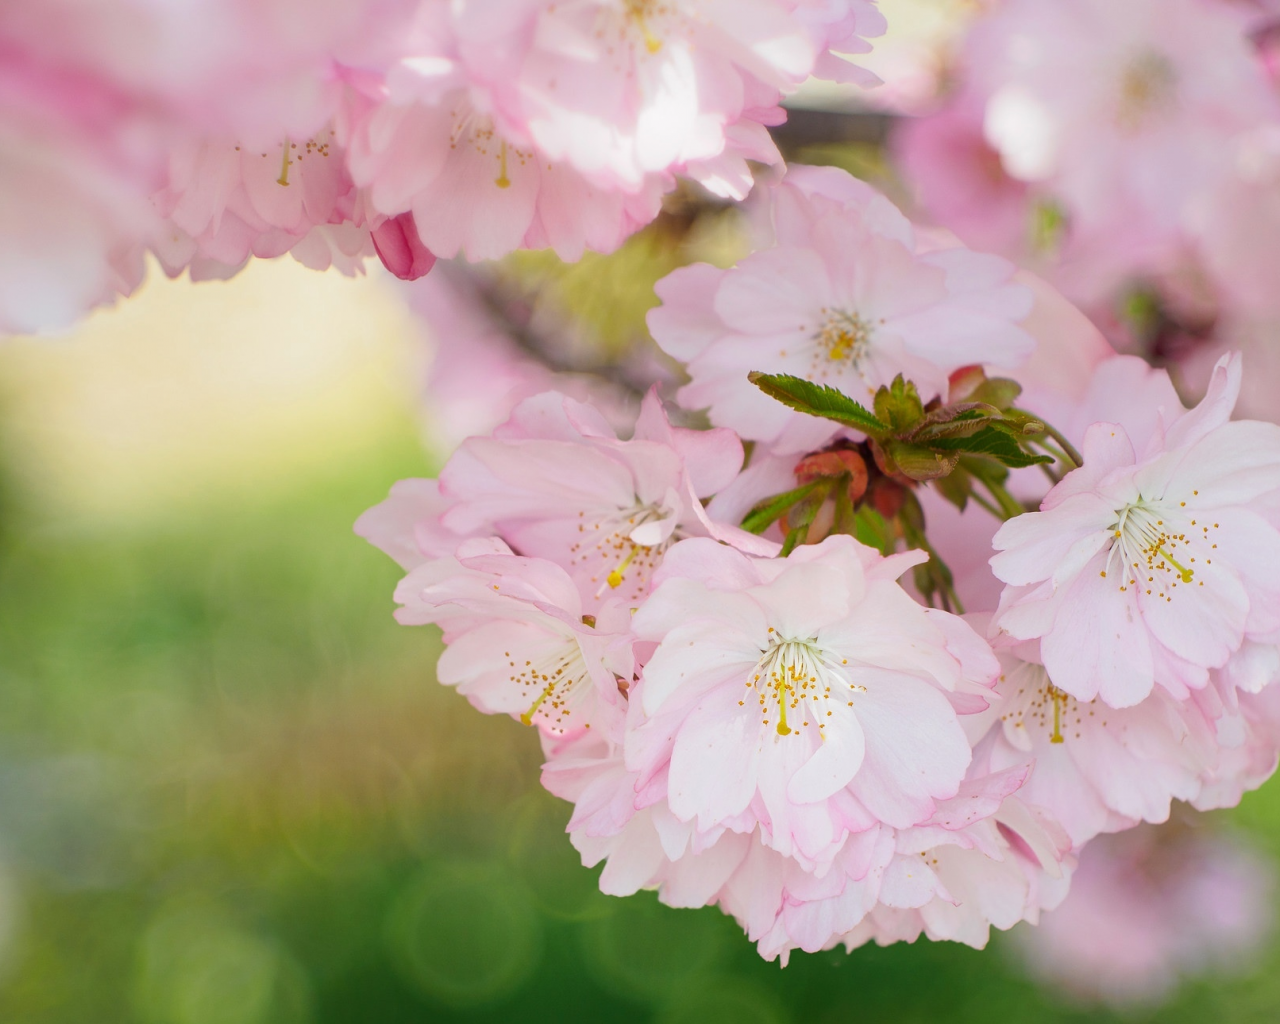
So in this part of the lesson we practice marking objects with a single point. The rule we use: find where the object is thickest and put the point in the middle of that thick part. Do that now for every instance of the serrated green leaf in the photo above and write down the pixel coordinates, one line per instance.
(995, 444)
(769, 511)
(961, 425)
(818, 400)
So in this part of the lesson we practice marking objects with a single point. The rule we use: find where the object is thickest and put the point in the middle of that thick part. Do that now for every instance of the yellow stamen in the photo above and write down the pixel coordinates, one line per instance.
(284, 164)
(502, 181)
(783, 729)
(615, 577)
(1059, 698)
(527, 717)
(1183, 572)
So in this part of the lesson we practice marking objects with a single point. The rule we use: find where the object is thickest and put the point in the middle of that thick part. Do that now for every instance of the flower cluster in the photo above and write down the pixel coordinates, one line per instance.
(213, 132)
(745, 648)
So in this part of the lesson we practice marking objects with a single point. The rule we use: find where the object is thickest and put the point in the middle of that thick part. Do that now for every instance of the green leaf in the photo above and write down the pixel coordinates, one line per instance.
(994, 443)
(918, 462)
(899, 405)
(805, 511)
(948, 423)
(871, 529)
(818, 400)
(769, 511)
(955, 487)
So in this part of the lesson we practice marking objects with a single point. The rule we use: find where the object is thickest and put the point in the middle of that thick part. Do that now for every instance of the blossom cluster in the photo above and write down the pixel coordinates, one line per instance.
(947, 589)
(210, 132)
(1149, 195)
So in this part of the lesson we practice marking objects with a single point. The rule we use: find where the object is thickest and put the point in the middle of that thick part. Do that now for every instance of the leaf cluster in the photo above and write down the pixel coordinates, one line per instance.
(917, 442)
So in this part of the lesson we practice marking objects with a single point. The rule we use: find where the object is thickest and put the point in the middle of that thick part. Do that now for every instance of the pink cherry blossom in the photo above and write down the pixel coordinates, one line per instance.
(959, 180)
(76, 163)
(1238, 224)
(1149, 905)
(555, 482)
(624, 91)
(840, 29)
(1165, 86)
(1248, 729)
(843, 300)
(1149, 567)
(407, 525)
(952, 878)
(517, 640)
(617, 821)
(232, 202)
(956, 884)
(255, 70)
(1097, 768)
(789, 694)
(432, 139)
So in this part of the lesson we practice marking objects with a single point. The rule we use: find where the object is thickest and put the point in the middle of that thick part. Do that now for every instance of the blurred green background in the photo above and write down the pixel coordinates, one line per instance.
(230, 791)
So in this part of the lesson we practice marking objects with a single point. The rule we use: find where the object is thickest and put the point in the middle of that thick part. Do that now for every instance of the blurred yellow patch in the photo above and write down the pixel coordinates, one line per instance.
(190, 392)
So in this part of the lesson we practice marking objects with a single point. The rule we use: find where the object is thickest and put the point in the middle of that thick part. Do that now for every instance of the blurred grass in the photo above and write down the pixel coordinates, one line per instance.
(231, 793)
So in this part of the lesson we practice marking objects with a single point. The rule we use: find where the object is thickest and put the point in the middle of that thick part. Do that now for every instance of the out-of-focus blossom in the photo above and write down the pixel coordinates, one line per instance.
(76, 163)
(1149, 905)
(1149, 567)
(229, 202)
(1146, 129)
(97, 101)
(254, 70)
(517, 639)
(843, 299)
(479, 371)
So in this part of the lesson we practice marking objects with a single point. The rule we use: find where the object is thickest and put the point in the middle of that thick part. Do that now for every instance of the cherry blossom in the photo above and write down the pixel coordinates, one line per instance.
(843, 299)
(517, 639)
(622, 91)
(1097, 768)
(228, 202)
(1167, 85)
(556, 482)
(809, 683)
(1146, 568)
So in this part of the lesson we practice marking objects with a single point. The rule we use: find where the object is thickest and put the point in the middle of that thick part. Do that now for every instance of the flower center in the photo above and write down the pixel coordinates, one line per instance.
(606, 548)
(1154, 547)
(476, 130)
(840, 344)
(792, 682)
(1147, 86)
(643, 13)
(1036, 703)
(554, 684)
